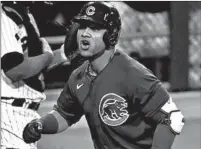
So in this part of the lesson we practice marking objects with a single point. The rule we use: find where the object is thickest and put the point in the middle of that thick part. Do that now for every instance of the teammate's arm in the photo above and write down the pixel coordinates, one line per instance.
(28, 66)
(68, 51)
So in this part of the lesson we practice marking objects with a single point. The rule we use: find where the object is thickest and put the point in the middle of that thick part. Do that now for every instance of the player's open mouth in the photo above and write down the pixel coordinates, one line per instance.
(85, 44)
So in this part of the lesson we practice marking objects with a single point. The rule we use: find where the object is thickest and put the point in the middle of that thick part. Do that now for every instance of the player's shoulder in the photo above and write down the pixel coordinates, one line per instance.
(132, 66)
(127, 62)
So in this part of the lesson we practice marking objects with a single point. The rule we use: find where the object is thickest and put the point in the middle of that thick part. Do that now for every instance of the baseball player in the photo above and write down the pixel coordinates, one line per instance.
(125, 105)
(19, 101)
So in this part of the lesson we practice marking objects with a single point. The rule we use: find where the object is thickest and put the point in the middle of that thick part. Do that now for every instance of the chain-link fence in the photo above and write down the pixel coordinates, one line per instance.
(146, 35)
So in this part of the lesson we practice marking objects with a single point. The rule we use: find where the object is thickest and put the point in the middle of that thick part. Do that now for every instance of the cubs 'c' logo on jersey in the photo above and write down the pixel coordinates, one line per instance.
(113, 109)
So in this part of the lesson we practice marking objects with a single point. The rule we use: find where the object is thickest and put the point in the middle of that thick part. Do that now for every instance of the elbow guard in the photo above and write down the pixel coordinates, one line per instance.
(174, 118)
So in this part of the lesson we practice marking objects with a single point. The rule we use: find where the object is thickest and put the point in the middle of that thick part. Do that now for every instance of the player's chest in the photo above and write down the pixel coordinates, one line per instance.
(102, 95)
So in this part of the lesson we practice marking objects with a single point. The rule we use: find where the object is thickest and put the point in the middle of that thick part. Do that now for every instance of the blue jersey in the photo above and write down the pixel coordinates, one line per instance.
(118, 104)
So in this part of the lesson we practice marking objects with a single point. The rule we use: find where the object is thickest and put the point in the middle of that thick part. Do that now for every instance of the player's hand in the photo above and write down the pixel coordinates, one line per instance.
(70, 44)
(32, 131)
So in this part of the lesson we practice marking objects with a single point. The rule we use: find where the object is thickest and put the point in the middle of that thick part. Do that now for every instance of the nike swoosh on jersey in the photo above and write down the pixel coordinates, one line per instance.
(79, 86)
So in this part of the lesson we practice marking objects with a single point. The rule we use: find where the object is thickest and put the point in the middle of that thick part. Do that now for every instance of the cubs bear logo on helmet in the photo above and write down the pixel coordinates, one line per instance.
(104, 14)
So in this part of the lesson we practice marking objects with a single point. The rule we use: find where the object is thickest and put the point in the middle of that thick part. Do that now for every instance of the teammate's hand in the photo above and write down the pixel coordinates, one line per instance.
(62, 53)
(32, 131)
(58, 59)
(70, 44)
(45, 46)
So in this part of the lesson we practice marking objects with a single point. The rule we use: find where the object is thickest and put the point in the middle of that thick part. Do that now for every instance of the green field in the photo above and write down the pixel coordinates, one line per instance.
(78, 136)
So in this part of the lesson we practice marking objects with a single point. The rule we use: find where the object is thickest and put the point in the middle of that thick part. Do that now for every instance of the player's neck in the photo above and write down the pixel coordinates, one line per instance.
(99, 63)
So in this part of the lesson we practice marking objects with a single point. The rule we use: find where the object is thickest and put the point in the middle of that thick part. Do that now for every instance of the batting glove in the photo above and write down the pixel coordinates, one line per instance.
(32, 131)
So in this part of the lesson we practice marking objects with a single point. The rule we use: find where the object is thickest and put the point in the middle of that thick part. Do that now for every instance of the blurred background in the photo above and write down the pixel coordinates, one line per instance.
(164, 36)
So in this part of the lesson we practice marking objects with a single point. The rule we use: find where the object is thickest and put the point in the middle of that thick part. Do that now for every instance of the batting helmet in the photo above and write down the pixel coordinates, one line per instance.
(104, 14)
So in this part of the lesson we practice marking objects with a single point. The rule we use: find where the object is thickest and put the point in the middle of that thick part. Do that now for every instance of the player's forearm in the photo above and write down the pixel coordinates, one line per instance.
(53, 123)
(163, 137)
(29, 67)
(170, 123)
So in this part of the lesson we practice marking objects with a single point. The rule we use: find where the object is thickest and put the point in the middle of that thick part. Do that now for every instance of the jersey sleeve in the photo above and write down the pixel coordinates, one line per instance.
(148, 92)
(68, 106)
(11, 51)
(10, 42)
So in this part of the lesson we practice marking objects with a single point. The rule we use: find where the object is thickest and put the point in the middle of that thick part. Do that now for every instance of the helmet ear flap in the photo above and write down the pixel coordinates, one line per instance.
(109, 39)
(106, 39)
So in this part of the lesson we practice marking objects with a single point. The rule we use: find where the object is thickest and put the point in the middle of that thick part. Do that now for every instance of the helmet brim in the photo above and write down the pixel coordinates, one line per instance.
(87, 18)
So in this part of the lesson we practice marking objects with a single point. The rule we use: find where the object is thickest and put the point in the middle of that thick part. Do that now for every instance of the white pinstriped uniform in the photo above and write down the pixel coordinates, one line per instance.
(13, 118)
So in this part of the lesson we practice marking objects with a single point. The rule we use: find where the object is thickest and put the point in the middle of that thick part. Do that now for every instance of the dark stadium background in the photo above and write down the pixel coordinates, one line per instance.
(179, 34)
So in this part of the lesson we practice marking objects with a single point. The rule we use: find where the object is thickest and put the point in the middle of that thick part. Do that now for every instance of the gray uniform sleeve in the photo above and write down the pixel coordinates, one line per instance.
(148, 92)
(68, 106)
